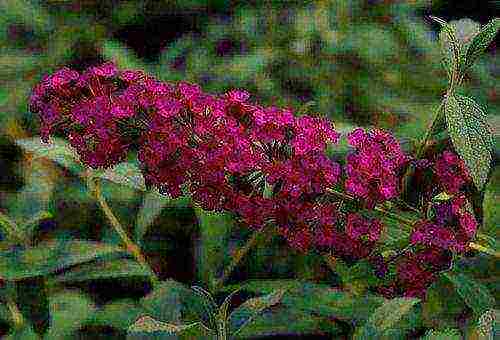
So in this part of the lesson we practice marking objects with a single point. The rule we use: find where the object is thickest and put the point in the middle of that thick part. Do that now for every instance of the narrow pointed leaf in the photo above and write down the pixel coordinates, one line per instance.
(51, 256)
(471, 136)
(150, 325)
(250, 309)
(449, 45)
(109, 269)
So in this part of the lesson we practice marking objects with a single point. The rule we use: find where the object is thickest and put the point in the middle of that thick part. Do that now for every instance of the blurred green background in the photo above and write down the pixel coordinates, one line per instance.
(360, 62)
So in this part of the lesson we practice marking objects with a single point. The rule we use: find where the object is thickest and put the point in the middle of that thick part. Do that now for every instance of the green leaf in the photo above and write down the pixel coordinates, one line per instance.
(150, 325)
(318, 299)
(173, 302)
(152, 205)
(119, 314)
(68, 311)
(214, 233)
(450, 47)
(481, 41)
(34, 199)
(122, 55)
(25, 333)
(51, 256)
(285, 321)
(385, 317)
(126, 173)
(474, 294)
(445, 334)
(250, 309)
(58, 150)
(110, 269)
(471, 136)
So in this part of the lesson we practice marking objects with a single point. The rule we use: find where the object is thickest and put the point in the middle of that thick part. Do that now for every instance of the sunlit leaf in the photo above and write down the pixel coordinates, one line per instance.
(481, 41)
(150, 325)
(57, 150)
(126, 173)
(445, 334)
(471, 136)
(385, 317)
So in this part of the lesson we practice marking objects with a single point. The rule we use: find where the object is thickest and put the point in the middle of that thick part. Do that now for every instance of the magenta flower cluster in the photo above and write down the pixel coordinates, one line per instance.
(264, 164)
(374, 170)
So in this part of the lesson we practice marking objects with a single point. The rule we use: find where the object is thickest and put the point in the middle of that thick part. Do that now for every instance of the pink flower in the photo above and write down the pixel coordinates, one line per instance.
(451, 172)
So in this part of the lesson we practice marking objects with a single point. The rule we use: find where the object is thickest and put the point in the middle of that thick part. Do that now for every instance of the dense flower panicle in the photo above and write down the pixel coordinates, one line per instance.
(229, 152)
(373, 170)
(310, 174)
(312, 134)
(360, 228)
(451, 172)
(412, 277)
(452, 228)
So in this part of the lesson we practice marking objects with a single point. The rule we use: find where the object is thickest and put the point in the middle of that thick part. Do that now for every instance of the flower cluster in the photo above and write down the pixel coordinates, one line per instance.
(264, 164)
(373, 170)
(449, 231)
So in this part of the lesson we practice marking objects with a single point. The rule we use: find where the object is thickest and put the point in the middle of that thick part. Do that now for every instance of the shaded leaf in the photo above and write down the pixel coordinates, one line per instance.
(117, 314)
(152, 205)
(68, 311)
(481, 41)
(51, 256)
(282, 320)
(115, 268)
(385, 317)
(250, 309)
(176, 303)
(474, 294)
(25, 333)
(471, 136)
(214, 233)
(319, 299)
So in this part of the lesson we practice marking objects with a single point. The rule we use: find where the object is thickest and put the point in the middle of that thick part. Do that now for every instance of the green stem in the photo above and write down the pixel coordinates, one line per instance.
(387, 213)
(239, 255)
(129, 244)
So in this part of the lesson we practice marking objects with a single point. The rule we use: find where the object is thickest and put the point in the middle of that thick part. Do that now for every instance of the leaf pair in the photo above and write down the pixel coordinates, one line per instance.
(173, 309)
(466, 121)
